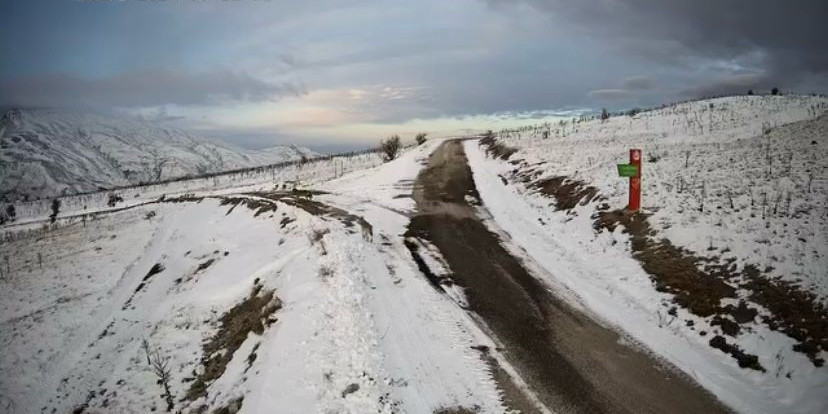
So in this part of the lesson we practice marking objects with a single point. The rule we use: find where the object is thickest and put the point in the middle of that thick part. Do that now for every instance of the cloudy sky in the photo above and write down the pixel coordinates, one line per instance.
(341, 73)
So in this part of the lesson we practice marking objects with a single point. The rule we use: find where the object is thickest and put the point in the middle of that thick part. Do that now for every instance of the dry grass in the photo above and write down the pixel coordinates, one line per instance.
(253, 314)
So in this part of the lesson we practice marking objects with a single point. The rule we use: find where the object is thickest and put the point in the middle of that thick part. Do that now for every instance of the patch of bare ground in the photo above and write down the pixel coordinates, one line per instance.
(700, 284)
(303, 199)
(253, 314)
(258, 206)
(457, 410)
(566, 192)
(496, 149)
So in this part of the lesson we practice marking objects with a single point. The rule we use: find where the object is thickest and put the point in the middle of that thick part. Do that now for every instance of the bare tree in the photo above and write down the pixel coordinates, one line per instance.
(390, 147)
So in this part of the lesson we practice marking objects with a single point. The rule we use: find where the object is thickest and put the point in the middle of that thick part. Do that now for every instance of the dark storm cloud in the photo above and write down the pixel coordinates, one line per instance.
(140, 89)
(733, 84)
(383, 63)
(787, 40)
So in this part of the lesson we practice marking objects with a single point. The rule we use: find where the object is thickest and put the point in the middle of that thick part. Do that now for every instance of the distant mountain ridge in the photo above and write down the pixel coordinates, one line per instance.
(46, 152)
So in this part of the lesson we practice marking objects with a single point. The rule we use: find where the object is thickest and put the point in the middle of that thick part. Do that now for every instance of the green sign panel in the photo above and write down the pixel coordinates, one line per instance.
(627, 170)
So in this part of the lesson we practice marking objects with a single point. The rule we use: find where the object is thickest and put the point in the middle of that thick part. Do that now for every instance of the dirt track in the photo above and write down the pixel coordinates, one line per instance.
(573, 364)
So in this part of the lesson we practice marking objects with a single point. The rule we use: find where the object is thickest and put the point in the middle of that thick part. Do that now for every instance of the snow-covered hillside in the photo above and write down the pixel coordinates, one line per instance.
(724, 273)
(44, 153)
(321, 287)
(744, 177)
(253, 299)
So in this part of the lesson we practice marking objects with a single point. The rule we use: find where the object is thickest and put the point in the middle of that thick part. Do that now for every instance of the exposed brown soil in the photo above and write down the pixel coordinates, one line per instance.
(796, 312)
(700, 284)
(259, 206)
(572, 363)
(566, 192)
(253, 314)
(497, 149)
(672, 269)
(745, 360)
(304, 200)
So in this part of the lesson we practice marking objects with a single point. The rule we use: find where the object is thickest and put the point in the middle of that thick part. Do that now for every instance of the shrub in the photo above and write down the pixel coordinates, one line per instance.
(750, 92)
(421, 138)
(55, 210)
(775, 91)
(114, 199)
(390, 147)
(604, 114)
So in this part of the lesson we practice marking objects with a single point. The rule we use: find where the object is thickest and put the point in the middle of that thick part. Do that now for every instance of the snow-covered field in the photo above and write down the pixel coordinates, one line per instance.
(359, 329)
(276, 301)
(698, 157)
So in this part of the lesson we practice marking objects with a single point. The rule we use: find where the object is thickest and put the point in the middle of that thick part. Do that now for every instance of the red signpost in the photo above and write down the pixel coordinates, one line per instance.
(635, 181)
(633, 172)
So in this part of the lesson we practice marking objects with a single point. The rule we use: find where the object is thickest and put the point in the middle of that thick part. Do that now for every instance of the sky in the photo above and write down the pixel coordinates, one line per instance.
(339, 74)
